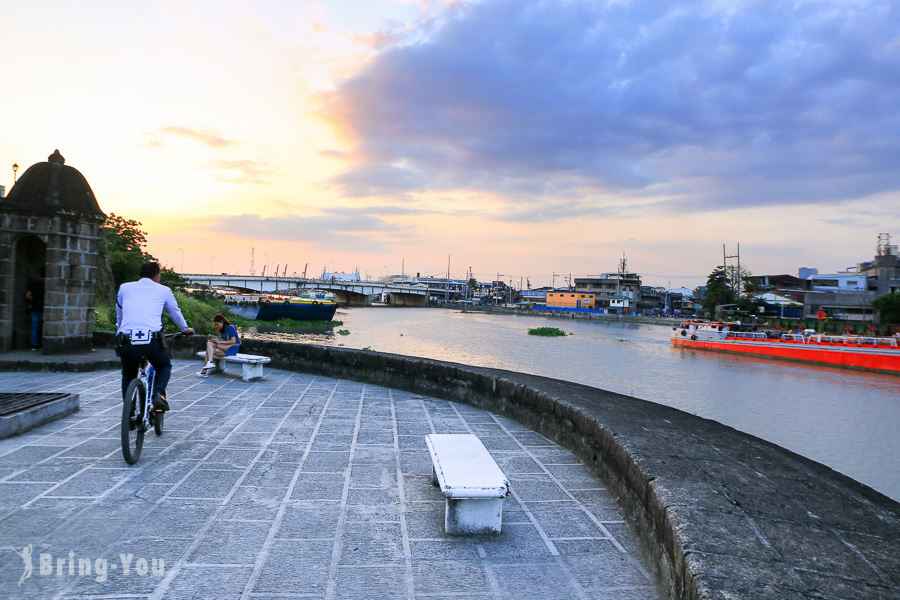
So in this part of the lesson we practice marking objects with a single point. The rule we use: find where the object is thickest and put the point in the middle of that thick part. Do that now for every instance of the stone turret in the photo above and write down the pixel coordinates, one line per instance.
(50, 219)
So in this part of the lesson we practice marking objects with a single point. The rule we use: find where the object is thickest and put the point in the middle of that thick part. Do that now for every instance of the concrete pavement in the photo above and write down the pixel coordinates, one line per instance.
(292, 487)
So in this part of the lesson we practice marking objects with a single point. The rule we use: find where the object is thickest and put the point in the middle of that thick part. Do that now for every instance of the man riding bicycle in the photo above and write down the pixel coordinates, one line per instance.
(139, 307)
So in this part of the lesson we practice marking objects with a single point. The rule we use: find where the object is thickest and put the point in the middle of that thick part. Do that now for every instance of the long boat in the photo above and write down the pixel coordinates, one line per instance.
(859, 352)
(308, 307)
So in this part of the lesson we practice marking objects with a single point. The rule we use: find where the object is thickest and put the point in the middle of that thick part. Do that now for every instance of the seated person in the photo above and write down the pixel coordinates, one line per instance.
(226, 343)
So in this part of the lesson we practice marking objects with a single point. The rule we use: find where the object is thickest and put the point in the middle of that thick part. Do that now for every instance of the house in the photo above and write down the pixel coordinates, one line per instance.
(611, 284)
(570, 299)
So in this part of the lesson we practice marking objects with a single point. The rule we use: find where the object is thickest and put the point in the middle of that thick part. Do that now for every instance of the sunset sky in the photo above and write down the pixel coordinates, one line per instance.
(520, 137)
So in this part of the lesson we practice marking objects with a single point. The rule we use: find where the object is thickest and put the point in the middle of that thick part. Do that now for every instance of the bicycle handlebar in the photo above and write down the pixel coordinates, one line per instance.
(170, 336)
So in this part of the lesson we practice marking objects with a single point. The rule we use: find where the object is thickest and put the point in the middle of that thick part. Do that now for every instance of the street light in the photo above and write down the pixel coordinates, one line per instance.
(15, 170)
(182, 259)
(267, 264)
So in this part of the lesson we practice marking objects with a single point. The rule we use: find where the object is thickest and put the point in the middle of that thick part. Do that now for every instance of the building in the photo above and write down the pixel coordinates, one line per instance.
(538, 296)
(326, 276)
(883, 273)
(570, 299)
(837, 282)
(608, 285)
(50, 221)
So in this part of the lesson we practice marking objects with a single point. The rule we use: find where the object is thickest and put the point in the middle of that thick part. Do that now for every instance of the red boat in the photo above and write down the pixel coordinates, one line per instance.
(859, 352)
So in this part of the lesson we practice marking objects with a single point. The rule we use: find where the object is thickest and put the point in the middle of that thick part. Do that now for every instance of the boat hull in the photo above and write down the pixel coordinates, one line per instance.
(298, 311)
(847, 356)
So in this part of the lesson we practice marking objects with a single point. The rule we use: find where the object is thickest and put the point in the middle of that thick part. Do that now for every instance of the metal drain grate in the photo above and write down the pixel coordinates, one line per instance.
(11, 403)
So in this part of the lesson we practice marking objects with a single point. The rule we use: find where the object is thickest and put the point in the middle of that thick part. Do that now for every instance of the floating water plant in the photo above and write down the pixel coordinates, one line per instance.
(547, 331)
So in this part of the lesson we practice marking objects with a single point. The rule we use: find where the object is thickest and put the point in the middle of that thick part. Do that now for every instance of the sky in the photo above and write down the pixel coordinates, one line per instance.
(529, 139)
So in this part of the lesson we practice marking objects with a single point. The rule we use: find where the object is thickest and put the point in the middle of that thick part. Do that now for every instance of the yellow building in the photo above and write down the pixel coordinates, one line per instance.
(570, 299)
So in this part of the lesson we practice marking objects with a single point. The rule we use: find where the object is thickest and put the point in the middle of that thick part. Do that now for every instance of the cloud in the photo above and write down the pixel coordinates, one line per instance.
(243, 171)
(210, 139)
(351, 230)
(696, 105)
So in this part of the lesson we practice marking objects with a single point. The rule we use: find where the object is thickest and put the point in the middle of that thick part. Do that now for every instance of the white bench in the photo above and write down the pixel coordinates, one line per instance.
(252, 365)
(472, 482)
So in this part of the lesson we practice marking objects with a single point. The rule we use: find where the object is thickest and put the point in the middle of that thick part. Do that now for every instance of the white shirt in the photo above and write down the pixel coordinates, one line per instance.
(139, 306)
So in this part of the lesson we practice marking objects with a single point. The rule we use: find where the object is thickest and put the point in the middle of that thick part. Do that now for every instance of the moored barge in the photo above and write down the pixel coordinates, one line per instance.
(860, 352)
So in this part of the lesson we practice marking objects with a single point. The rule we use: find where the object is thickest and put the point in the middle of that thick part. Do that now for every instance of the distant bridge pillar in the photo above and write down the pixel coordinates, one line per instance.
(407, 299)
(350, 298)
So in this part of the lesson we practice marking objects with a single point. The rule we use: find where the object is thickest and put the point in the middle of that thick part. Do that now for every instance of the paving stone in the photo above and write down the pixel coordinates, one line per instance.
(243, 474)
(207, 483)
(353, 583)
(363, 543)
(217, 583)
(332, 462)
(516, 541)
(319, 486)
(295, 567)
(524, 581)
(231, 542)
(91, 483)
(14, 495)
(309, 521)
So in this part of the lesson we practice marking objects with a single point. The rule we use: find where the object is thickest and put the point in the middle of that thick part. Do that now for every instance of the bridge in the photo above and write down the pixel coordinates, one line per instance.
(348, 293)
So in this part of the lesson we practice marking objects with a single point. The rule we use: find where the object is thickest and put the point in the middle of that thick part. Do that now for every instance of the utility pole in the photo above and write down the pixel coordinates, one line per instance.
(447, 293)
(735, 279)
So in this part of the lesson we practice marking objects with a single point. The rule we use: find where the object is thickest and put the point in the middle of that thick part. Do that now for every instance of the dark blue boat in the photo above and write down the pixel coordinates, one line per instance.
(275, 308)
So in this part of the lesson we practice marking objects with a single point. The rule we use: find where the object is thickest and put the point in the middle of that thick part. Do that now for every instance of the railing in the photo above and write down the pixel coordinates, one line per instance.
(747, 335)
(793, 337)
(845, 340)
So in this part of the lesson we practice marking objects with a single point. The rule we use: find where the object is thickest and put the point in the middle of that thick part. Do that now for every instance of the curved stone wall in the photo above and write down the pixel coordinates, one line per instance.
(721, 514)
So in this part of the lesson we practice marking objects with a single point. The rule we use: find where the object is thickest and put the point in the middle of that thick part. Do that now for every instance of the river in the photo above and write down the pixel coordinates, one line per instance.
(845, 419)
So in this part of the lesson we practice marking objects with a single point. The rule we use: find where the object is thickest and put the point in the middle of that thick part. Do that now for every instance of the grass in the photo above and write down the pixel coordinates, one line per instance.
(343, 332)
(198, 312)
(547, 332)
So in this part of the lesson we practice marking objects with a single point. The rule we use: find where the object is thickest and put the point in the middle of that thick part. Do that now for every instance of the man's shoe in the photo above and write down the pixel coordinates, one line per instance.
(159, 403)
(201, 374)
(209, 365)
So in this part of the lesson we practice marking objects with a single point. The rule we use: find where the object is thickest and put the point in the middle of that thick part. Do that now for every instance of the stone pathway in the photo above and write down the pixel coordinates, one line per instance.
(292, 487)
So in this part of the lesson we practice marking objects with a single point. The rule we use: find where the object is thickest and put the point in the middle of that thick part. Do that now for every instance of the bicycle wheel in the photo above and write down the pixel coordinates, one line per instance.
(132, 421)
(158, 420)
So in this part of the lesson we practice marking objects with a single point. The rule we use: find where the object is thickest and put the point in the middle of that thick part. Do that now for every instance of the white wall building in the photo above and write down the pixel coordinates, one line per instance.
(837, 282)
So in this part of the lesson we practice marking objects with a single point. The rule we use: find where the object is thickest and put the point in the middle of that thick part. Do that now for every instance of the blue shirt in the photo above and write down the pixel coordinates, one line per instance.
(228, 333)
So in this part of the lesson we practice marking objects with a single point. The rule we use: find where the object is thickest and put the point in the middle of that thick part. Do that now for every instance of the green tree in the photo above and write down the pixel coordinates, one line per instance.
(718, 289)
(123, 243)
(889, 307)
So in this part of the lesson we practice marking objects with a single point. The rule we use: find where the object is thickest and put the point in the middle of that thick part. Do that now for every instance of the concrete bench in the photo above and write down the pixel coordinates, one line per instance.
(472, 482)
(252, 365)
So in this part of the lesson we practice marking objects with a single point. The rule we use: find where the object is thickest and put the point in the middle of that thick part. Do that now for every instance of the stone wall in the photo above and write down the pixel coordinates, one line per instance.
(722, 514)
(70, 243)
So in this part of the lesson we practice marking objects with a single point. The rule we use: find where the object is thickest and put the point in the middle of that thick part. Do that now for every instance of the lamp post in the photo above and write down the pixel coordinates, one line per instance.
(267, 264)
(182, 259)
(15, 171)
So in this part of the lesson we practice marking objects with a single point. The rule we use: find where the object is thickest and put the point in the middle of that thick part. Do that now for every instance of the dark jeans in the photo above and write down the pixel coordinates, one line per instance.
(37, 319)
(158, 357)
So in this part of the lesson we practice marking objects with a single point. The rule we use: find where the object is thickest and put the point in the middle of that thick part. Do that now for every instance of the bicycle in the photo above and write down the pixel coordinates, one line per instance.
(138, 414)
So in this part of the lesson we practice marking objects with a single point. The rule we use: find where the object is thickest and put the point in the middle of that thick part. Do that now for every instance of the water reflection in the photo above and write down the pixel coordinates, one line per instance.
(845, 419)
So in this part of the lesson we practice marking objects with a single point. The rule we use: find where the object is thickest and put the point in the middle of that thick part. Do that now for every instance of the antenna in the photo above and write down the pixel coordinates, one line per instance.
(884, 245)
